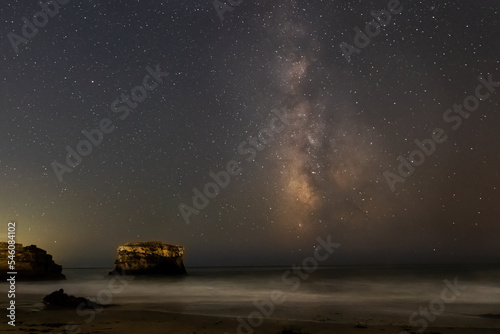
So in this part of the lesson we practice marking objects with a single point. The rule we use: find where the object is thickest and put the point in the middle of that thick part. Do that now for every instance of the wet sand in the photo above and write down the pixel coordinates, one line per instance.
(117, 320)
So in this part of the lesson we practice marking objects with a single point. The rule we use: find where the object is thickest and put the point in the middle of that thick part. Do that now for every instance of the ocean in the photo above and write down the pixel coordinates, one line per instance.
(459, 296)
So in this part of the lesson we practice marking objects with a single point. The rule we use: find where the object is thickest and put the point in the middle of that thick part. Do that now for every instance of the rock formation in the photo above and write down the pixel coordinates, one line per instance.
(138, 258)
(31, 263)
(61, 299)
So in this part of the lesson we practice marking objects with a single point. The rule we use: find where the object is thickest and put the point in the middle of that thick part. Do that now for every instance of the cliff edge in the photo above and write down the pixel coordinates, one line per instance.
(31, 263)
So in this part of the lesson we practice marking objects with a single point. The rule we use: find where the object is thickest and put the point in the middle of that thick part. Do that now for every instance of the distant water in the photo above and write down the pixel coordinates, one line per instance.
(372, 295)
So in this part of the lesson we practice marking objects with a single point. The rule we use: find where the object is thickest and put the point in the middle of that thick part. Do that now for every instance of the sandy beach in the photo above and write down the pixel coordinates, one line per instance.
(116, 320)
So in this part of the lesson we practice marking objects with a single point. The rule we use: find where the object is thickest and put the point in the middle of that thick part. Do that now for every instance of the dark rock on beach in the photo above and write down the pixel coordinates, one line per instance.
(63, 300)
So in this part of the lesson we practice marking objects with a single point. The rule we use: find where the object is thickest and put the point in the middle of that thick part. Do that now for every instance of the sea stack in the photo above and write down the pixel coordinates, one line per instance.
(31, 263)
(150, 258)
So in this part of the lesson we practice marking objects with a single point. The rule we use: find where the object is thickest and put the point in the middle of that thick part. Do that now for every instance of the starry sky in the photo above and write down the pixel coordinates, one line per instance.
(346, 124)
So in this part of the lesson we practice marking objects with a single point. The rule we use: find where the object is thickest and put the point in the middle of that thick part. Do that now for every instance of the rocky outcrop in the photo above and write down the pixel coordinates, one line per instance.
(31, 263)
(144, 258)
(61, 299)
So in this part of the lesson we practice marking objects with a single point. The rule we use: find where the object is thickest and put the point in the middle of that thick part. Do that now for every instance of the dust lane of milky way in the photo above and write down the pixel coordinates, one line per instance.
(350, 122)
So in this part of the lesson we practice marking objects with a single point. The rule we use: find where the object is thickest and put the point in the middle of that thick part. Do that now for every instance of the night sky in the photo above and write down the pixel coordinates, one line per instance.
(320, 171)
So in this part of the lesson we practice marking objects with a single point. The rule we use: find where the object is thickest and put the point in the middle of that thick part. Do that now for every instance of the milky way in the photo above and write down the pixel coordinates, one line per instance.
(324, 162)
(322, 175)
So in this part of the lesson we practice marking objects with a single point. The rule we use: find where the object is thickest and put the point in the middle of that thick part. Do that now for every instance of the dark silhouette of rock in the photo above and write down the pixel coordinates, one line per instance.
(61, 299)
(150, 258)
(31, 263)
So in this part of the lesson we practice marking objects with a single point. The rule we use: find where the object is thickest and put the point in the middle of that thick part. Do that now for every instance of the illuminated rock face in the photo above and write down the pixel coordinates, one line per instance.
(31, 263)
(144, 258)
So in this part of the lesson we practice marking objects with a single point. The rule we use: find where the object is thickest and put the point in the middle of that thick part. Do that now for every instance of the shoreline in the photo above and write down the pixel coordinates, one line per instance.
(119, 320)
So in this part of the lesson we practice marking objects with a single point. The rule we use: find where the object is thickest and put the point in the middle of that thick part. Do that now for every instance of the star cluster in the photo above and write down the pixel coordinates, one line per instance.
(323, 174)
